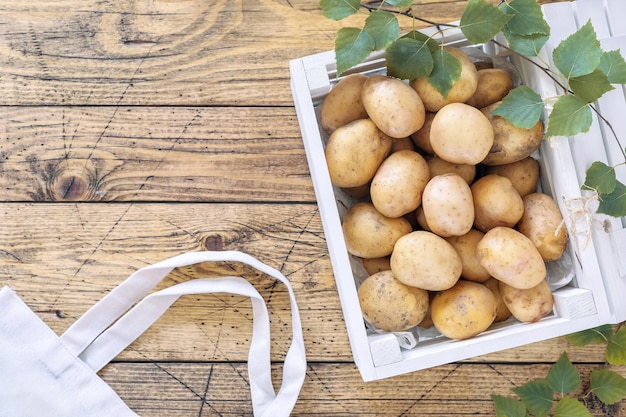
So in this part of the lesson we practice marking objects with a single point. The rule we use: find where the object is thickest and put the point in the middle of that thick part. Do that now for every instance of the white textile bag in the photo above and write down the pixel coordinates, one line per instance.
(42, 374)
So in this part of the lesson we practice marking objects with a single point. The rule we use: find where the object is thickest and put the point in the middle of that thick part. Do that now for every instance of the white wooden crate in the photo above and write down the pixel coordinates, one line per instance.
(592, 298)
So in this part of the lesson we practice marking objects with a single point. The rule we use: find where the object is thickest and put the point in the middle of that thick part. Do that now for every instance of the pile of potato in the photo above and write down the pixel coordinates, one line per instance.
(448, 222)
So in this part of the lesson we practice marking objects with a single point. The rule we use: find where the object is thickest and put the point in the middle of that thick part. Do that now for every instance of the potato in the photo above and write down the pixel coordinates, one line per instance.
(427, 321)
(511, 257)
(511, 143)
(411, 217)
(421, 219)
(374, 265)
(493, 85)
(524, 174)
(461, 134)
(528, 305)
(354, 152)
(387, 304)
(393, 106)
(465, 246)
(424, 260)
(496, 203)
(503, 312)
(421, 138)
(360, 192)
(440, 166)
(463, 311)
(399, 182)
(369, 234)
(401, 144)
(448, 206)
(343, 103)
(541, 223)
(480, 65)
(461, 90)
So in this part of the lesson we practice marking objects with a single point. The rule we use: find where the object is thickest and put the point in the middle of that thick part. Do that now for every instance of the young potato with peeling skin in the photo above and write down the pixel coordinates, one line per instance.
(511, 257)
(528, 305)
(424, 260)
(465, 246)
(387, 304)
(440, 166)
(461, 134)
(448, 205)
(369, 234)
(399, 182)
(542, 224)
(510, 143)
(461, 90)
(343, 103)
(463, 311)
(496, 203)
(354, 152)
(523, 174)
(503, 312)
(393, 106)
(492, 86)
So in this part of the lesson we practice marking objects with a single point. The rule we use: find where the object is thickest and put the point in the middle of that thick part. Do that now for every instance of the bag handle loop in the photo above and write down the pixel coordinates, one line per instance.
(98, 336)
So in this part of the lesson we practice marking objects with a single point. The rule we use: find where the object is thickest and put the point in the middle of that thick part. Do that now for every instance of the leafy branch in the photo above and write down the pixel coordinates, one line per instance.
(555, 393)
(583, 71)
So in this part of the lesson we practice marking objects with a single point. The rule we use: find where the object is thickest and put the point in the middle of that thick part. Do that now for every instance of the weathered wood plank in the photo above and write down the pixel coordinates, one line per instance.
(152, 154)
(461, 390)
(166, 53)
(62, 258)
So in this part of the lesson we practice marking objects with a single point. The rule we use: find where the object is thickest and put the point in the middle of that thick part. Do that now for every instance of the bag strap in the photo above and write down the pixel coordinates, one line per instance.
(97, 340)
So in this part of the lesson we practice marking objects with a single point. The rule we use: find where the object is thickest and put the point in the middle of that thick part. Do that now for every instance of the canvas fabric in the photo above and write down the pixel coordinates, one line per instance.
(43, 374)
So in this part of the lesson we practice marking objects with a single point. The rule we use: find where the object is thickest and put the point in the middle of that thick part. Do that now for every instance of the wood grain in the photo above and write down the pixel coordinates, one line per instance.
(188, 52)
(459, 390)
(196, 154)
(134, 130)
(63, 257)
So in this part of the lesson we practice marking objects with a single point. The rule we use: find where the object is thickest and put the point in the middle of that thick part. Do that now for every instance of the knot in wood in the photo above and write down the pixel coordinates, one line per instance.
(71, 184)
(214, 243)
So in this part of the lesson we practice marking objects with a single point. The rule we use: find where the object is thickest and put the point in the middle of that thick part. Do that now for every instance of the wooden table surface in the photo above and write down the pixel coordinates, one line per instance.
(135, 130)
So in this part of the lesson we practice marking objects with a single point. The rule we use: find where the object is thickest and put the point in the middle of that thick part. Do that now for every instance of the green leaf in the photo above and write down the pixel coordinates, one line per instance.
(521, 106)
(352, 46)
(409, 59)
(403, 4)
(614, 204)
(590, 87)
(562, 376)
(571, 407)
(481, 21)
(613, 65)
(527, 17)
(419, 36)
(600, 334)
(446, 71)
(537, 396)
(383, 27)
(616, 350)
(508, 407)
(527, 45)
(601, 178)
(578, 54)
(338, 9)
(609, 386)
(570, 116)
